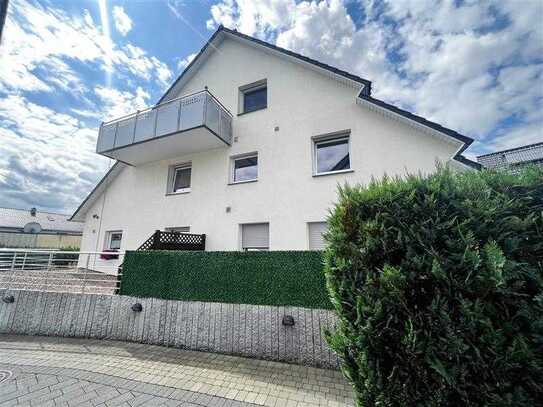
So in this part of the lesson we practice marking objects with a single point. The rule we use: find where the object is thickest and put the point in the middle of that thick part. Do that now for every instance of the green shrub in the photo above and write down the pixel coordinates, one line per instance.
(438, 283)
(262, 278)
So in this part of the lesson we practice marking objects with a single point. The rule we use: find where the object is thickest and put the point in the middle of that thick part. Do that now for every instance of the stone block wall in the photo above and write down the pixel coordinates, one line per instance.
(239, 329)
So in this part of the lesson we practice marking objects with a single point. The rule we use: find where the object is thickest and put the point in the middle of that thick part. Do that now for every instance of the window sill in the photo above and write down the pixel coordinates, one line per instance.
(178, 193)
(243, 182)
(252, 111)
(323, 174)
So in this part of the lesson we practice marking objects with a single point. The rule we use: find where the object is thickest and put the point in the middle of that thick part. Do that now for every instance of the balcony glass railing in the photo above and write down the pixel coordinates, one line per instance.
(188, 112)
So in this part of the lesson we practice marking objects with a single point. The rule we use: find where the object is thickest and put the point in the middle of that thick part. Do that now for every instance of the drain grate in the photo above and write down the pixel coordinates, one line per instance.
(4, 375)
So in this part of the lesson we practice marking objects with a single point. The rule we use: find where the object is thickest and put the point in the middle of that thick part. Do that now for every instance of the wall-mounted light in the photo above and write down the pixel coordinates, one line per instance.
(288, 320)
(137, 307)
(8, 299)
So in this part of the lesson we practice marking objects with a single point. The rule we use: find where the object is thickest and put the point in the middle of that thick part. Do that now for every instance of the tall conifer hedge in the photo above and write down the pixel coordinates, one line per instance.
(438, 282)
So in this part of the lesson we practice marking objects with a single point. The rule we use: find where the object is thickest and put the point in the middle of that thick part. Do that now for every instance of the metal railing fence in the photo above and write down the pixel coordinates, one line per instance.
(60, 271)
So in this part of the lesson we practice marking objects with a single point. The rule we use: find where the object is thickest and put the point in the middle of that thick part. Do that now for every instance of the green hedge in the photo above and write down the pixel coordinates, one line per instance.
(263, 278)
(438, 283)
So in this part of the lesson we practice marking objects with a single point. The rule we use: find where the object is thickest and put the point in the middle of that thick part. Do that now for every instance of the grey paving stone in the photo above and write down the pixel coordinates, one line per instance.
(94, 372)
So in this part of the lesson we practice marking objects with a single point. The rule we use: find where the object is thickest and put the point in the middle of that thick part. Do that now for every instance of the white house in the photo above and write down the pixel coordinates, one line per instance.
(248, 147)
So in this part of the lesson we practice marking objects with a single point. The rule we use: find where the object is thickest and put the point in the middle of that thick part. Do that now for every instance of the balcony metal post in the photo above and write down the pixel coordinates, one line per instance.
(179, 114)
(156, 122)
(135, 125)
(115, 136)
(205, 105)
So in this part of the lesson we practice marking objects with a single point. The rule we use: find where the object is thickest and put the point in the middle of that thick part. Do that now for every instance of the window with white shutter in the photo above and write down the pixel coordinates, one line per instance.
(255, 236)
(316, 231)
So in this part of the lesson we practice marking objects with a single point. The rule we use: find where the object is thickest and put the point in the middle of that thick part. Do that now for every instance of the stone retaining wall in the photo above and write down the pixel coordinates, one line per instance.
(239, 329)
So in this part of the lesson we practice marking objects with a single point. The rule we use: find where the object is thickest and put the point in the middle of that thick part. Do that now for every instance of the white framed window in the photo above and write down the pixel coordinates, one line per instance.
(332, 154)
(178, 229)
(316, 231)
(179, 178)
(244, 168)
(255, 236)
(113, 240)
(253, 97)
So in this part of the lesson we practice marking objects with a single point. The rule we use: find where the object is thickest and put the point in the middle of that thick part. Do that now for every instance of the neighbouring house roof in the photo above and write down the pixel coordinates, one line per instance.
(17, 219)
(364, 96)
(513, 157)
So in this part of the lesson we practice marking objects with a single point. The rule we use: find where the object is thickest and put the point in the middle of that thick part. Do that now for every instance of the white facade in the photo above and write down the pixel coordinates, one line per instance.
(302, 104)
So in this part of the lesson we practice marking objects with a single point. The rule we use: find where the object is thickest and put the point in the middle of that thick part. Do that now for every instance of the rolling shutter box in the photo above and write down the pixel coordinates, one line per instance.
(255, 236)
(316, 240)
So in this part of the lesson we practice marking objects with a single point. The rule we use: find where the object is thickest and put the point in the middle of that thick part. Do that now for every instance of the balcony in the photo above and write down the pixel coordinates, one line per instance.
(189, 124)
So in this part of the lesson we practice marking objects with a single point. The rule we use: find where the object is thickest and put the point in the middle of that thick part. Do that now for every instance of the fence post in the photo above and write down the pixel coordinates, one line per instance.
(48, 270)
(50, 261)
(12, 271)
(85, 274)
(24, 262)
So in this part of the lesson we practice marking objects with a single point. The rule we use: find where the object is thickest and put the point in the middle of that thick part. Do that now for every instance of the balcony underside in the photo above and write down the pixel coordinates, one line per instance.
(168, 146)
(192, 123)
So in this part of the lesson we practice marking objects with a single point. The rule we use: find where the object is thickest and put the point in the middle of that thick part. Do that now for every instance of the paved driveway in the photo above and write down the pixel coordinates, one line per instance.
(41, 371)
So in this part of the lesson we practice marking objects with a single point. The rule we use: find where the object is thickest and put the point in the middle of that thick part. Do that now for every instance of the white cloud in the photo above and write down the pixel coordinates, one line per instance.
(47, 158)
(36, 36)
(123, 23)
(116, 103)
(184, 62)
(47, 155)
(468, 65)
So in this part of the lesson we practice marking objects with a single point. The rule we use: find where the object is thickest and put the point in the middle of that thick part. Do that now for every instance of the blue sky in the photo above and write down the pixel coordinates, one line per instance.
(476, 67)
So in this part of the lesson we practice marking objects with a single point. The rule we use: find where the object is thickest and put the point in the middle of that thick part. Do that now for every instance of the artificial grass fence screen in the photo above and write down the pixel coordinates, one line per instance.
(292, 278)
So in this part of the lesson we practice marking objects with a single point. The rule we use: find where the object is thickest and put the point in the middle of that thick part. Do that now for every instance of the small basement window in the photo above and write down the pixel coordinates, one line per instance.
(332, 154)
(113, 240)
(179, 179)
(253, 97)
(244, 168)
(255, 236)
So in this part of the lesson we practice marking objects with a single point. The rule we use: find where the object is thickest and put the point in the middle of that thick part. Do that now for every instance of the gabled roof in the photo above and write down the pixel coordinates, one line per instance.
(223, 32)
(365, 91)
(16, 219)
(364, 95)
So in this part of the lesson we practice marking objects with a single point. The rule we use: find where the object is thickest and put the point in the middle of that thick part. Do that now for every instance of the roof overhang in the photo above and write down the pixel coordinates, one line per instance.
(426, 126)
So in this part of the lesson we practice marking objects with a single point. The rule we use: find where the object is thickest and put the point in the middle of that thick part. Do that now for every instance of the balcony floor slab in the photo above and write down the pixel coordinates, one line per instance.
(166, 147)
